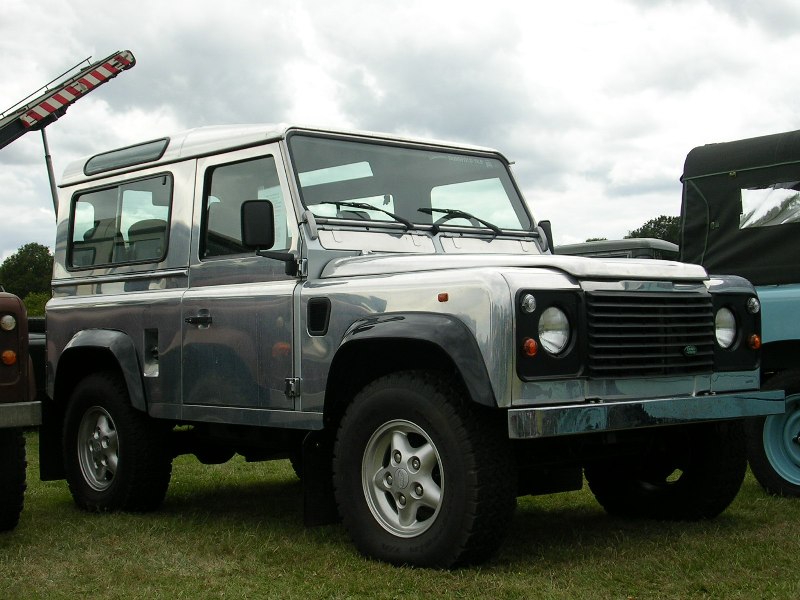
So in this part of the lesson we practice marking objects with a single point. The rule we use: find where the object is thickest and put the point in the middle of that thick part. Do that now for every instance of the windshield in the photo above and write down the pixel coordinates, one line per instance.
(375, 182)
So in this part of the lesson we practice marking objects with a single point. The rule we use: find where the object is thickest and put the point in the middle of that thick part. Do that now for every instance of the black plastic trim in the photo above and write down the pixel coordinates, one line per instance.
(318, 314)
(568, 363)
(740, 356)
(449, 334)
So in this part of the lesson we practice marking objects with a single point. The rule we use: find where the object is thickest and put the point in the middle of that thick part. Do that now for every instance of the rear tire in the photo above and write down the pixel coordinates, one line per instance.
(116, 457)
(773, 442)
(422, 477)
(12, 477)
(690, 474)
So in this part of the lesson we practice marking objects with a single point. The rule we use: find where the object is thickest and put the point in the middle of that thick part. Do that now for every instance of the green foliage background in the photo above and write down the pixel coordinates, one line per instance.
(664, 227)
(27, 273)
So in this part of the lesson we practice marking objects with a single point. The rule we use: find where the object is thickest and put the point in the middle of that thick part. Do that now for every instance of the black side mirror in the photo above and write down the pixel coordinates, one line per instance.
(547, 228)
(258, 224)
(258, 232)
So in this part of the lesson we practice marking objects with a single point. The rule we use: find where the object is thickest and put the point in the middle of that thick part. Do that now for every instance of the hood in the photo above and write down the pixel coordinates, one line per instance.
(577, 266)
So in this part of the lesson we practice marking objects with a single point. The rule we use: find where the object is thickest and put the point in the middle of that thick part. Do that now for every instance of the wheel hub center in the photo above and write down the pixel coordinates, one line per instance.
(401, 478)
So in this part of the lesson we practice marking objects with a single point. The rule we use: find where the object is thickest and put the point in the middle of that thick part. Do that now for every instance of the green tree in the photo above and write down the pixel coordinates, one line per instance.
(34, 303)
(28, 270)
(664, 228)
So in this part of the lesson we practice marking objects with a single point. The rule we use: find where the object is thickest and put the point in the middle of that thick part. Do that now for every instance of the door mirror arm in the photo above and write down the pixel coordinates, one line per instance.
(287, 257)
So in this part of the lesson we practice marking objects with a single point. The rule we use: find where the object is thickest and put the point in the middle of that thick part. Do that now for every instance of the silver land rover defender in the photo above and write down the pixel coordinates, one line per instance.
(386, 313)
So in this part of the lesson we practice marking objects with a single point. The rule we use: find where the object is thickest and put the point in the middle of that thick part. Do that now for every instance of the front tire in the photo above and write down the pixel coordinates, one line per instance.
(12, 477)
(689, 474)
(773, 442)
(421, 476)
(116, 457)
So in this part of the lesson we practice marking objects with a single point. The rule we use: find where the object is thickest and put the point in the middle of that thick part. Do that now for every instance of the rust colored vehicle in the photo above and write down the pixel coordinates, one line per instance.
(18, 407)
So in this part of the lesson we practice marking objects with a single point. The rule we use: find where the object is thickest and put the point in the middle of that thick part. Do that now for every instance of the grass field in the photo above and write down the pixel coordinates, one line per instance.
(236, 531)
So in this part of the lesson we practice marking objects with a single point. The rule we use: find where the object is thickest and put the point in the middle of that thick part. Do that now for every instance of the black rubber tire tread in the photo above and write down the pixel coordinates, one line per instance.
(766, 475)
(211, 455)
(712, 461)
(145, 460)
(480, 483)
(296, 460)
(12, 477)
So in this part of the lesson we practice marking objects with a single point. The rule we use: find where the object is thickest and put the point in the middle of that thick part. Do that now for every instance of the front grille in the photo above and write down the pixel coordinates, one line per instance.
(634, 335)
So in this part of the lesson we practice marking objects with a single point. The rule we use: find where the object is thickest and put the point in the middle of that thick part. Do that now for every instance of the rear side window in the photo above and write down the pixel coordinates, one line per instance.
(127, 223)
(771, 204)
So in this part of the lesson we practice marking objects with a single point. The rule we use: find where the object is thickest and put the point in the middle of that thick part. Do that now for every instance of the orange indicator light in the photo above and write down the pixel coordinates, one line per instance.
(754, 341)
(530, 347)
(444, 297)
(9, 357)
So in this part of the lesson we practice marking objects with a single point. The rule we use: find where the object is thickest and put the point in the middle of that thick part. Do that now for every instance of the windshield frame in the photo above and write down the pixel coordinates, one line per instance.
(500, 167)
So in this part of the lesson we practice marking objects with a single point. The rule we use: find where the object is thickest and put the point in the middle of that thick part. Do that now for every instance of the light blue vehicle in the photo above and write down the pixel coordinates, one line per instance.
(741, 215)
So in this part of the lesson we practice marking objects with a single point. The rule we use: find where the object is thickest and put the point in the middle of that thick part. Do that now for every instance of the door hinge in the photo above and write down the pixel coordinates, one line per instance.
(292, 389)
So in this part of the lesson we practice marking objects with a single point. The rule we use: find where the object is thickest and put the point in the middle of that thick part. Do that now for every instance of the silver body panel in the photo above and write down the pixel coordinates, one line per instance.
(576, 266)
(478, 297)
(529, 423)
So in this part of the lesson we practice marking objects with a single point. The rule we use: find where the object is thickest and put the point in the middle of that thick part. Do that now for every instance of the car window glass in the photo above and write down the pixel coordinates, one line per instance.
(126, 223)
(227, 187)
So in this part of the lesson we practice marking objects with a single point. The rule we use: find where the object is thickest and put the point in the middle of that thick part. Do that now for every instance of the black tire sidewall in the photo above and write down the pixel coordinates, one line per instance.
(144, 464)
(712, 473)
(12, 477)
(94, 391)
(370, 411)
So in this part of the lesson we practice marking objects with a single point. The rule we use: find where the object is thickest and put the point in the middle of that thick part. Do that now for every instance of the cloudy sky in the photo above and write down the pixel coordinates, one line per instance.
(597, 103)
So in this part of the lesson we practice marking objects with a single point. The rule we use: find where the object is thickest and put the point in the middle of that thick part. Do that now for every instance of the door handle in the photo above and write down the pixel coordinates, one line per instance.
(202, 320)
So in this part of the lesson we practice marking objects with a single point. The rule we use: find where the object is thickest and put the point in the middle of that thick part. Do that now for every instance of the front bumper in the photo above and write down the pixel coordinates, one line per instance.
(20, 414)
(552, 421)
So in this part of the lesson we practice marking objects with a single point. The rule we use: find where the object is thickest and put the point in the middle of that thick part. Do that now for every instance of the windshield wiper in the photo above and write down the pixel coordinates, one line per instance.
(365, 206)
(454, 213)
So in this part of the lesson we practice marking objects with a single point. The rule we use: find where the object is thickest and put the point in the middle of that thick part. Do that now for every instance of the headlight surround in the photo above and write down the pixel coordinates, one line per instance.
(554, 330)
(7, 322)
(534, 359)
(725, 327)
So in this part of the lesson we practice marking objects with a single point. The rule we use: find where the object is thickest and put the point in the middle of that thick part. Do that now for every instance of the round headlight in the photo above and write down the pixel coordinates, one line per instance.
(8, 322)
(553, 330)
(725, 327)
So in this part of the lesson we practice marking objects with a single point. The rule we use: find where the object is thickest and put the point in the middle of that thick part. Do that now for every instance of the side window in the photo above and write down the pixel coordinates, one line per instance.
(226, 188)
(773, 204)
(127, 223)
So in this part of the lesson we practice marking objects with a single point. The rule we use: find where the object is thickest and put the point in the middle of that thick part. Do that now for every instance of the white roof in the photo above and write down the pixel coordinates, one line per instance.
(220, 138)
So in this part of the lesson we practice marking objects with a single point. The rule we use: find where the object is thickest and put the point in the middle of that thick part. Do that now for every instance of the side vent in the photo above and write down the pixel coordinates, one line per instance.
(319, 315)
